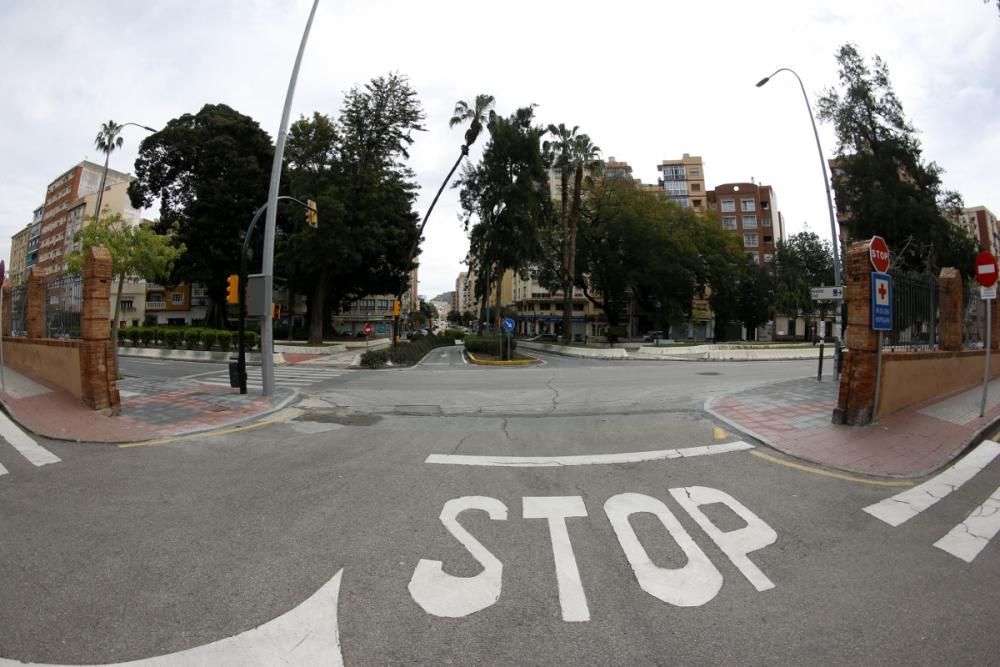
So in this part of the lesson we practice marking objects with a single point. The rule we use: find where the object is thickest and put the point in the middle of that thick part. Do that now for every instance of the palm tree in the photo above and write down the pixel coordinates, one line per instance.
(106, 141)
(570, 153)
(477, 112)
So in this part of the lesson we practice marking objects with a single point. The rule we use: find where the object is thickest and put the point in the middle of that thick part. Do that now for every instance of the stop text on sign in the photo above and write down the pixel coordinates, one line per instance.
(693, 585)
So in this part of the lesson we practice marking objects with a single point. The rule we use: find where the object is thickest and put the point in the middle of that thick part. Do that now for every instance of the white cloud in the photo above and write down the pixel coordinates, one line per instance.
(646, 80)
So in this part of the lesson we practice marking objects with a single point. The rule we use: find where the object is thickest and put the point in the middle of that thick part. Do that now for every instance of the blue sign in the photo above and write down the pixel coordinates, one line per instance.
(508, 325)
(881, 301)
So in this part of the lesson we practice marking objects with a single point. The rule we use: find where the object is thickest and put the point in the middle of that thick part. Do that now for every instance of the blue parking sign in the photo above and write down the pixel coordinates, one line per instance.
(508, 325)
(881, 301)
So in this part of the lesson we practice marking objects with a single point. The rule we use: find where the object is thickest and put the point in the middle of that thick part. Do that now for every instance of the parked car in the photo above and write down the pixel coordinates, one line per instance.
(652, 336)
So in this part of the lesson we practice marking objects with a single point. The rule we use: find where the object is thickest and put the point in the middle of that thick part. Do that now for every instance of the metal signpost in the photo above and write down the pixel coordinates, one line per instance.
(986, 276)
(826, 294)
(508, 328)
(881, 314)
(3, 273)
(368, 333)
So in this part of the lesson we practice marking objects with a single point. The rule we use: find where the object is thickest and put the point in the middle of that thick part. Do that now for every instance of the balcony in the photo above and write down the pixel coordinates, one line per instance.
(156, 305)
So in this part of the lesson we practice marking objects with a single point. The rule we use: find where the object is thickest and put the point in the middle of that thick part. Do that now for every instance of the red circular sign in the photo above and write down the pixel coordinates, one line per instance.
(368, 328)
(986, 269)
(878, 251)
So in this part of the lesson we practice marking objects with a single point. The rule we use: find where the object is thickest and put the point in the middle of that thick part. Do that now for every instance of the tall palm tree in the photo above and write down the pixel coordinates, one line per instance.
(106, 141)
(476, 113)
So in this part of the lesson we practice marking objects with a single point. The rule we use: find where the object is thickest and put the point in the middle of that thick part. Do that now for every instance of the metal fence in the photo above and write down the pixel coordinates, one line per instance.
(914, 312)
(973, 318)
(63, 303)
(19, 311)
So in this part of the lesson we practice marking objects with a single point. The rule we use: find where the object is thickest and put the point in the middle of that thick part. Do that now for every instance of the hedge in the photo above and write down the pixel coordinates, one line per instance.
(405, 354)
(190, 337)
(488, 344)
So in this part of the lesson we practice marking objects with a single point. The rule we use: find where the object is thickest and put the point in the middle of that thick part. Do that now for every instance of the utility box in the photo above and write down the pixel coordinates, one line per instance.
(256, 305)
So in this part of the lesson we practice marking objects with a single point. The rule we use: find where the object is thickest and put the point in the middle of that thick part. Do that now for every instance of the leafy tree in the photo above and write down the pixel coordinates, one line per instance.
(883, 185)
(210, 171)
(570, 153)
(418, 318)
(800, 263)
(355, 169)
(136, 250)
(429, 309)
(504, 199)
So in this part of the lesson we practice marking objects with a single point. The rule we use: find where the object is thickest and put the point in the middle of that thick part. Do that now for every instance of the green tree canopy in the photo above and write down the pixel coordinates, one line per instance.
(800, 263)
(882, 183)
(210, 172)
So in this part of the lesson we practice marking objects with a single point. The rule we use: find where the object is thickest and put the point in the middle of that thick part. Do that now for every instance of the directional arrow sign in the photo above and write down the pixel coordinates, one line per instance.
(826, 293)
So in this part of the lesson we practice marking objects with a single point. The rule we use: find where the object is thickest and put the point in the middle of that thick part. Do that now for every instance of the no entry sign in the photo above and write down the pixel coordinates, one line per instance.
(878, 252)
(986, 269)
(368, 328)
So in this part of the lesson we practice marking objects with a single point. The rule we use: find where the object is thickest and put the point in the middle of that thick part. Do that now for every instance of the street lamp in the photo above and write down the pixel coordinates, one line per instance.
(107, 157)
(829, 204)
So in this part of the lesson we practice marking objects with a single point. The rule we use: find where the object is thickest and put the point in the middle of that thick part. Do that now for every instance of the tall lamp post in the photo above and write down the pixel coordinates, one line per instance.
(107, 157)
(829, 205)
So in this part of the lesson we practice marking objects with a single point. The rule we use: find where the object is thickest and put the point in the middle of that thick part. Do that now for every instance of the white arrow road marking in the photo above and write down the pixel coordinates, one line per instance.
(307, 635)
(968, 538)
(20, 441)
(905, 505)
(586, 459)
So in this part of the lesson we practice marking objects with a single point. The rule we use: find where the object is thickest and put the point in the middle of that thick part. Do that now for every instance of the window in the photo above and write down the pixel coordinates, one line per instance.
(747, 205)
(749, 222)
(577, 306)
(127, 304)
(696, 187)
(543, 306)
(675, 188)
(177, 298)
(673, 172)
(765, 222)
(696, 203)
(755, 257)
(768, 239)
(728, 205)
(750, 240)
(768, 257)
(729, 222)
(695, 172)
(764, 205)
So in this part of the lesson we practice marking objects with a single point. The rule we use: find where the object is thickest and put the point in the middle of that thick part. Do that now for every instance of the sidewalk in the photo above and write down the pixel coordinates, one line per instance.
(794, 417)
(151, 408)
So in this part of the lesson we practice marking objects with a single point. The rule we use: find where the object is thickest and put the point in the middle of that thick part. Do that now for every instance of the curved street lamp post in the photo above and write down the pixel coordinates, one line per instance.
(829, 204)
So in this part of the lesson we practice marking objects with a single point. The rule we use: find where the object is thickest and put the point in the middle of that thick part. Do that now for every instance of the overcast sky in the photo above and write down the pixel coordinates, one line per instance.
(647, 81)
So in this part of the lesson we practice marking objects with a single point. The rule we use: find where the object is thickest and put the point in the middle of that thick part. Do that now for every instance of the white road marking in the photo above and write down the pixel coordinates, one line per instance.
(572, 598)
(3, 471)
(27, 447)
(309, 634)
(443, 594)
(586, 459)
(691, 585)
(905, 505)
(968, 538)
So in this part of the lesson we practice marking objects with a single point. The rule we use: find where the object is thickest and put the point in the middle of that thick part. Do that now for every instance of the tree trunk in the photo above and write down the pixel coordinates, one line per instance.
(316, 309)
(114, 326)
(291, 312)
(574, 217)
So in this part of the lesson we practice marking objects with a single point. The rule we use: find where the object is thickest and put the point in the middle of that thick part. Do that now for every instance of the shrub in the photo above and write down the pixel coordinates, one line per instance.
(224, 337)
(613, 334)
(134, 335)
(172, 337)
(147, 336)
(192, 337)
(252, 339)
(488, 344)
(159, 335)
(375, 358)
(208, 337)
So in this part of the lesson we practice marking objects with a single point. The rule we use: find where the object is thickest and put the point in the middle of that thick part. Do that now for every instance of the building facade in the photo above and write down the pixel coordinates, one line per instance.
(750, 211)
(683, 181)
(16, 270)
(980, 222)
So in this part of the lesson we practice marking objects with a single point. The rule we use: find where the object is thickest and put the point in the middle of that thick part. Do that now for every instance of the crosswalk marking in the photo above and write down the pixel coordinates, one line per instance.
(27, 447)
(968, 538)
(903, 506)
(286, 377)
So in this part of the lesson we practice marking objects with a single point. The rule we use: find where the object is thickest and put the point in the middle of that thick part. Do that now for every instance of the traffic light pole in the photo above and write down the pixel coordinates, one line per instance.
(241, 326)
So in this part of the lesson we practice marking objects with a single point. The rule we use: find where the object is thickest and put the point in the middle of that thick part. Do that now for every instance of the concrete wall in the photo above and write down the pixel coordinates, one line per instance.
(913, 377)
(54, 361)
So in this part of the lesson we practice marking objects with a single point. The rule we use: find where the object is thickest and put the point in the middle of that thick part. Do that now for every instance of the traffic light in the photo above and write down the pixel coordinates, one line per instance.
(395, 308)
(276, 311)
(233, 289)
(312, 215)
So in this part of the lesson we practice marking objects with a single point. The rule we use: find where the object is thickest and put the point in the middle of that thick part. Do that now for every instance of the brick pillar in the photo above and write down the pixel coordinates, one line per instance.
(97, 361)
(35, 307)
(855, 403)
(5, 321)
(950, 299)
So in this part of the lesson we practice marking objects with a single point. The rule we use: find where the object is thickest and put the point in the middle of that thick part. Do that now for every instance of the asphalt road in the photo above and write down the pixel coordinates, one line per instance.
(726, 557)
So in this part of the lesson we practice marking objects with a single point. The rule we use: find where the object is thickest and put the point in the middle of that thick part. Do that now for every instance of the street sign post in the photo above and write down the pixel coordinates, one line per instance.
(3, 274)
(881, 301)
(986, 276)
(508, 327)
(826, 293)
(878, 253)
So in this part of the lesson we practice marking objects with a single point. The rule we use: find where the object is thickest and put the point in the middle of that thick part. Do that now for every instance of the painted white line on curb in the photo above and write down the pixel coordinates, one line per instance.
(586, 459)
(905, 505)
(309, 634)
(968, 538)
(27, 447)
(3, 471)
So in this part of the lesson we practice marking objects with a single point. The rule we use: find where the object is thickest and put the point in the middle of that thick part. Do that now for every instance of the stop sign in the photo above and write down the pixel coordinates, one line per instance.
(986, 269)
(368, 328)
(878, 252)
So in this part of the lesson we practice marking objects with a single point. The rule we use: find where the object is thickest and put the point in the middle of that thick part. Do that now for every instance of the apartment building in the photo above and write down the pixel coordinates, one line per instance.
(683, 180)
(17, 268)
(69, 198)
(541, 312)
(750, 211)
(377, 309)
(980, 222)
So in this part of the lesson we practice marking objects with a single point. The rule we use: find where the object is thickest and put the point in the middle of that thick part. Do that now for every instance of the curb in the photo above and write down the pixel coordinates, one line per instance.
(490, 362)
